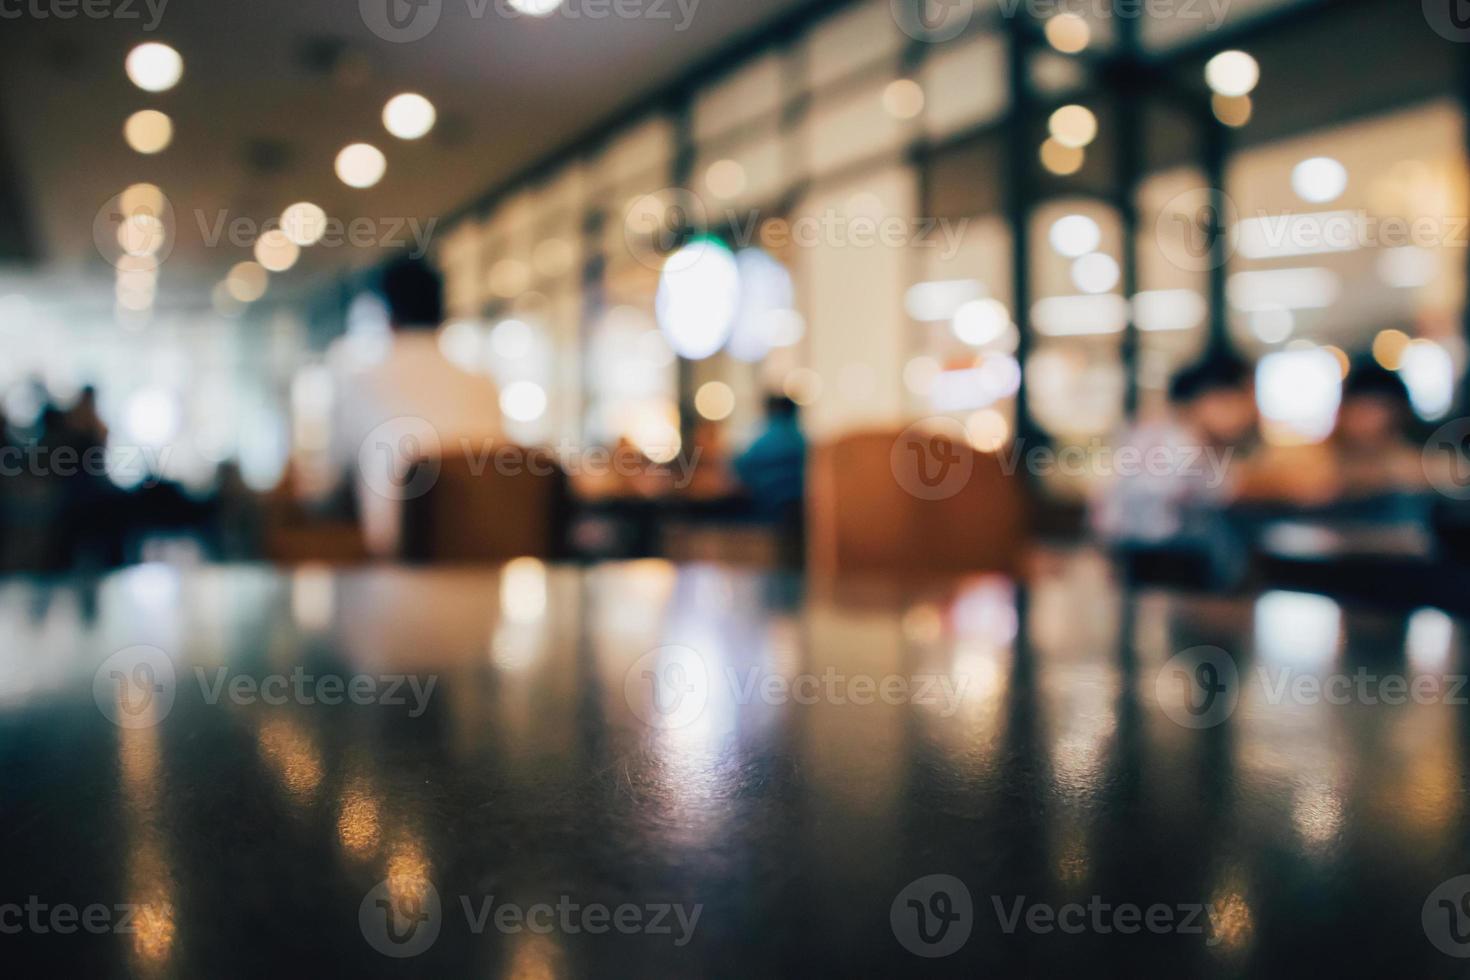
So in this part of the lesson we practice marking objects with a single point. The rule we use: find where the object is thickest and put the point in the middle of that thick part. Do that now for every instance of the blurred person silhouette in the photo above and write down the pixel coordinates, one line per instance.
(1373, 448)
(772, 469)
(1161, 509)
(412, 403)
(93, 514)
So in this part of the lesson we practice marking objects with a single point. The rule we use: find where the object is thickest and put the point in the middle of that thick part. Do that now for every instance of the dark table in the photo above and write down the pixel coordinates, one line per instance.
(640, 770)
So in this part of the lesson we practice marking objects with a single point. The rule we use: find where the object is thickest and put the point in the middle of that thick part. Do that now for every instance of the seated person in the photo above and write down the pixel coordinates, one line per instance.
(1166, 522)
(449, 411)
(1372, 450)
(772, 469)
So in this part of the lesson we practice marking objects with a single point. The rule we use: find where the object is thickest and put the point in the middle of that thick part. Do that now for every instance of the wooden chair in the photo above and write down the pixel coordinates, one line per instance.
(514, 503)
(860, 516)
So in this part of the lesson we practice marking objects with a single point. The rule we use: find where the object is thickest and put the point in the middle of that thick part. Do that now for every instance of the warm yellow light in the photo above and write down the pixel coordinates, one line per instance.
(1073, 126)
(361, 165)
(1232, 73)
(903, 98)
(247, 281)
(275, 251)
(1232, 110)
(304, 223)
(141, 234)
(1061, 160)
(725, 178)
(154, 67)
(1068, 33)
(714, 400)
(409, 116)
(1343, 363)
(148, 131)
(141, 199)
(987, 430)
(509, 278)
(1389, 347)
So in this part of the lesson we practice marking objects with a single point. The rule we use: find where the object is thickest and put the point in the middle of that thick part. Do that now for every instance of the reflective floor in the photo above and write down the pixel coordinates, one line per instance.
(648, 771)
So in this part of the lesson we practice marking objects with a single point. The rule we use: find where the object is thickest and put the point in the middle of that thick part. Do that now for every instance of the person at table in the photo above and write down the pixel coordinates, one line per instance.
(1373, 452)
(1166, 522)
(772, 469)
(434, 407)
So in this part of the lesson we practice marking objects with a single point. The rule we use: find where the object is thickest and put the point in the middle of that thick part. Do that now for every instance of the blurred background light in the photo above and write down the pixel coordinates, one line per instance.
(154, 67)
(304, 223)
(1319, 180)
(698, 297)
(1068, 33)
(1299, 391)
(409, 116)
(1075, 235)
(361, 165)
(1232, 73)
(148, 131)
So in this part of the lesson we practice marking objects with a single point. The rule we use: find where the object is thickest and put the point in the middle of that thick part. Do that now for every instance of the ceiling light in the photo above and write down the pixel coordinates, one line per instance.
(148, 131)
(247, 281)
(1319, 180)
(409, 116)
(903, 98)
(714, 400)
(725, 178)
(980, 321)
(275, 251)
(1061, 160)
(361, 165)
(1075, 235)
(1095, 273)
(536, 8)
(304, 223)
(1068, 33)
(1073, 126)
(1232, 73)
(931, 301)
(154, 67)
(1232, 110)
